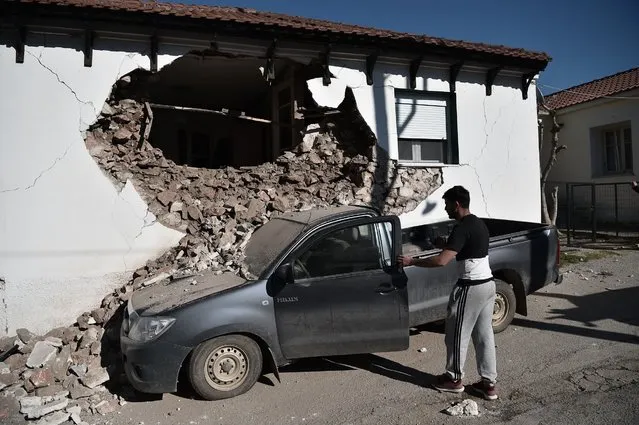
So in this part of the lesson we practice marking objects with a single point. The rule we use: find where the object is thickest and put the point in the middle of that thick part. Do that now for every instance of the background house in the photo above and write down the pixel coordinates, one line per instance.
(600, 127)
(69, 235)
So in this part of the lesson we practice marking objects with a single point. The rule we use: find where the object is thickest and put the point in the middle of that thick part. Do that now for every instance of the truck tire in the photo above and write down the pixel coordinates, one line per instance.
(505, 306)
(225, 367)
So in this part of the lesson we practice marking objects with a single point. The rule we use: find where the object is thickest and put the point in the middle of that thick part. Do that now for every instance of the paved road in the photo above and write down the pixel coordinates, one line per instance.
(573, 360)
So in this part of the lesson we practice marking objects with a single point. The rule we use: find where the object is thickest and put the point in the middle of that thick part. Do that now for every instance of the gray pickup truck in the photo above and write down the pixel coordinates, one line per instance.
(327, 284)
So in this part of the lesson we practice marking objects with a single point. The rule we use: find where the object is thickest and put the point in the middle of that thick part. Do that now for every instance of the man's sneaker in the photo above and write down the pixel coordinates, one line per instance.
(447, 384)
(485, 389)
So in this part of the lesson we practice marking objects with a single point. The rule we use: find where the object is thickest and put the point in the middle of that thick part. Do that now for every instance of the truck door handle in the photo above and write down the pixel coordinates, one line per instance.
(386, 289)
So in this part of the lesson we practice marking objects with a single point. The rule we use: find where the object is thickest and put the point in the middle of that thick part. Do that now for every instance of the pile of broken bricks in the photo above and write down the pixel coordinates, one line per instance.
(58, 376)
(61, 376)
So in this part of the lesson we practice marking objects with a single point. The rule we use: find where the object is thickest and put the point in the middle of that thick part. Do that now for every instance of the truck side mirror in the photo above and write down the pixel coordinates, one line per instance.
(284, 273)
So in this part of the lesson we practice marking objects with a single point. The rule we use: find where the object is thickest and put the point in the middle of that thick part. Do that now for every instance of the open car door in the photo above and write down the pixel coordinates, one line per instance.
(341, 291)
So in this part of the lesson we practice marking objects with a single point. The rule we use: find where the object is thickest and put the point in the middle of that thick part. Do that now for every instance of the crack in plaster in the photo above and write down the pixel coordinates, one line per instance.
(144, 226)
(58, 159)
(119, 74)
(144, 222)
(39, 59)
(510, 135)
(483, 149)
(3, 290)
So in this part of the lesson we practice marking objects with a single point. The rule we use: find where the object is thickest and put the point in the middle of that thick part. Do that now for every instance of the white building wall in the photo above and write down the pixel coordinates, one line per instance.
(497, 136)
(68, 236)
(575, 164)
(582, 161)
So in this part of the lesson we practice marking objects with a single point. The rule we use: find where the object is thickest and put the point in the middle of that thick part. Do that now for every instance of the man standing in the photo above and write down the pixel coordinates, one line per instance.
(471, 303)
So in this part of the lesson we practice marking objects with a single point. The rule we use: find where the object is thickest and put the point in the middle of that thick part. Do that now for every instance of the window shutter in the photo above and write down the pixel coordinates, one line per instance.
(419, 118)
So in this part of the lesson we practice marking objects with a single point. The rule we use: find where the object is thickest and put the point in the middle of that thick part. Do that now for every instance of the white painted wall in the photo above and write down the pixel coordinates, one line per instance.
(498, 144)
(575, 163)
(582, 161)
(67, 235)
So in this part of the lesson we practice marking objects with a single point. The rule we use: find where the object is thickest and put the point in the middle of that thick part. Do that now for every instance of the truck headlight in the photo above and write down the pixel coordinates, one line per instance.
(146, 329)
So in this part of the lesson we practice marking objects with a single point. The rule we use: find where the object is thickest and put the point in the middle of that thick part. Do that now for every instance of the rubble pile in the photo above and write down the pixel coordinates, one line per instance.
(218, 209)
(61, 375)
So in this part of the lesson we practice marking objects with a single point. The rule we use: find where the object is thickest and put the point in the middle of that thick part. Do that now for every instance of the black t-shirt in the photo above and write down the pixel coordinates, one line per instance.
(469, 238)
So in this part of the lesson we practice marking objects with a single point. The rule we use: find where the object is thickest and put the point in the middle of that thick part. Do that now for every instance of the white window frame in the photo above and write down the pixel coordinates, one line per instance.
(442, 133)
(618, 141)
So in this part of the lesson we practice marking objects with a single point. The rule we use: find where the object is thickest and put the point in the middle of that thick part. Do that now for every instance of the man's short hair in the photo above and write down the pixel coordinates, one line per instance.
(458, 194)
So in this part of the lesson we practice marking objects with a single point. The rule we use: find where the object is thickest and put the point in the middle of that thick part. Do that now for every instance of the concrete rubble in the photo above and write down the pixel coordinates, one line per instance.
(218, 210)
(466, 407)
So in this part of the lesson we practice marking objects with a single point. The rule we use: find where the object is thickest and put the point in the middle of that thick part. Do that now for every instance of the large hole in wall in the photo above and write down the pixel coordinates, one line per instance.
(188, 165)
(214, 110)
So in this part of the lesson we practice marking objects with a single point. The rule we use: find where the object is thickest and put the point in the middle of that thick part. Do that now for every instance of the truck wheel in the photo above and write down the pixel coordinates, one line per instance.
(505, 305)
(225, 367)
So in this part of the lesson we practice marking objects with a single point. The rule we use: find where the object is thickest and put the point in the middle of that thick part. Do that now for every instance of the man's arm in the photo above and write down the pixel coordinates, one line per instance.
(635, 186)
(438, 260)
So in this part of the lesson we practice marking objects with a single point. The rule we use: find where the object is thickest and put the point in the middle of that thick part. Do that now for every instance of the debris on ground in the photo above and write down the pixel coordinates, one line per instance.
(466, 407)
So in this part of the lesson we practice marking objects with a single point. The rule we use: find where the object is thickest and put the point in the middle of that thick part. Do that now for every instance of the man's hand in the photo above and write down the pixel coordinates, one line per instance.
(404, 260)
(634, 183)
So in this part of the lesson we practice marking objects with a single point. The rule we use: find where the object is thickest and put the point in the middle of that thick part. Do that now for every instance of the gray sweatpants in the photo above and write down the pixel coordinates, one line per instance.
(470, 314)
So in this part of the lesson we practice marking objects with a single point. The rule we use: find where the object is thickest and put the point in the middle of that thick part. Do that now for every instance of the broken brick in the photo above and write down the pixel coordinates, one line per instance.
(123, 135)
(55, 418)
(61, 363)
(77, 390)
(42, 378)
(167, 197)
(99, 315)
(49, 391)
(37, 407)
(25, 335)
(42, 353)
(89, 337)
(194, 213)
(8, 379)
(94, 377)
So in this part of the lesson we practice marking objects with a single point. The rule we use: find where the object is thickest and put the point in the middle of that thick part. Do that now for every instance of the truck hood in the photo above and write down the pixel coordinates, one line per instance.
(161, 298)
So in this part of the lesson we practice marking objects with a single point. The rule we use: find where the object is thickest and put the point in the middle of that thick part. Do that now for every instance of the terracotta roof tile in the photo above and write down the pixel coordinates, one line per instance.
(606, 86)
(253, 17)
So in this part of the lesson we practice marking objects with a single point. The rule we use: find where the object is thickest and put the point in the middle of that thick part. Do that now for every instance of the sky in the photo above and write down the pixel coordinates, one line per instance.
(587, 39)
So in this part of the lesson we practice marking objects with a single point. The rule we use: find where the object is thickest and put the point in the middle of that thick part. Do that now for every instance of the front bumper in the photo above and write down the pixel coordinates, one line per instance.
(152, 367)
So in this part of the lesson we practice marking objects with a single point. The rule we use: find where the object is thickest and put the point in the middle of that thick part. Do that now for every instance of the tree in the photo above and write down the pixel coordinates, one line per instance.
(549, 215)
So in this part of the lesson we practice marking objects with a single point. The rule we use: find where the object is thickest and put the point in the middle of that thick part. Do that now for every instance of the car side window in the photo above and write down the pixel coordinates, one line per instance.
(347, 250)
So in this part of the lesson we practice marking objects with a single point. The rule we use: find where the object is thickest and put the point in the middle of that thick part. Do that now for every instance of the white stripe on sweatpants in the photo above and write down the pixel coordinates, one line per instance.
(470, 313)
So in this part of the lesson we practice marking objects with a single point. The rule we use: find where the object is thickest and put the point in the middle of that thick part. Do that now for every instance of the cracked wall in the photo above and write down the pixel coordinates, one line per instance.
(67, 235)
(497, 135)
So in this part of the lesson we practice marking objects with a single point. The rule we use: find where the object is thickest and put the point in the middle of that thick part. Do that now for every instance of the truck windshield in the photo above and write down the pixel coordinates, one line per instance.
(269, 241)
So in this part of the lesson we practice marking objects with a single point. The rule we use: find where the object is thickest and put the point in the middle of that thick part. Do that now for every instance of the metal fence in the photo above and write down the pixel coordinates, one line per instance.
(596, 211)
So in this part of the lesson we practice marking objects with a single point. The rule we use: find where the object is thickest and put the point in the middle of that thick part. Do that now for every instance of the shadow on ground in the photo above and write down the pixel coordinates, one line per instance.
(621, 305)
(369, 362)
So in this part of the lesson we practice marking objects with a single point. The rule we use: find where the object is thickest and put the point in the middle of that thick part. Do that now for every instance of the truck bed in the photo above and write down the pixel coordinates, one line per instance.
(522, 254)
